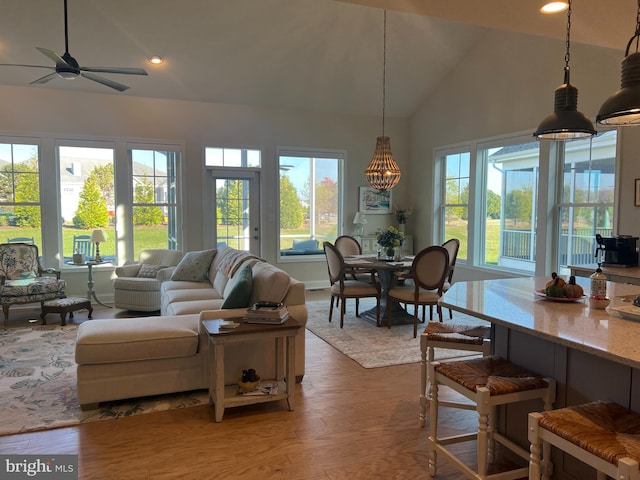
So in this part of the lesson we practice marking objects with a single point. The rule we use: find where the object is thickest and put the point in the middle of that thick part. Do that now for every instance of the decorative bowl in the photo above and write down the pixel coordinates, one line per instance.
(248, 386)
(599, 303)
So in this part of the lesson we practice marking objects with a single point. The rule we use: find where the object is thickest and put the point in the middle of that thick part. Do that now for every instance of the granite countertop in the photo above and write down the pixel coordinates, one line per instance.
(514, 304)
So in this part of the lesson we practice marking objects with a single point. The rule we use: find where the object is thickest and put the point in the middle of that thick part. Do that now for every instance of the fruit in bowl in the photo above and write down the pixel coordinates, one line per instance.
(599, 302)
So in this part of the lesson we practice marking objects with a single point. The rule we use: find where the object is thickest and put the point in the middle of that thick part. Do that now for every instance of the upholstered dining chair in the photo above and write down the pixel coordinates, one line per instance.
(452, 245)
(429, 271)
(347, 245)
(341, 288)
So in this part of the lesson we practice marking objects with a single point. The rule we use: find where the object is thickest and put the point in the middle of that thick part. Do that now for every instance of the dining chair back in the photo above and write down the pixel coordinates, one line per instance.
(348, 245)
(343, 288)
(429, 271)
(452, 245)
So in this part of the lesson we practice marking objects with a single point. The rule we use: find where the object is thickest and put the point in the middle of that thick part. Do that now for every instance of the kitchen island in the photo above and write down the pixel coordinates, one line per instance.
(592, 354)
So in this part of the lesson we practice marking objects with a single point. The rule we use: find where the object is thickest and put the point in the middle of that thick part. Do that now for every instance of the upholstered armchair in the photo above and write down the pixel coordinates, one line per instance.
(22, 278)
(137, 285)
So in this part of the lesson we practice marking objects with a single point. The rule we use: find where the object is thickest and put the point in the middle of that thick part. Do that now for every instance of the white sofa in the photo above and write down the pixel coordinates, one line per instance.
(135, 357)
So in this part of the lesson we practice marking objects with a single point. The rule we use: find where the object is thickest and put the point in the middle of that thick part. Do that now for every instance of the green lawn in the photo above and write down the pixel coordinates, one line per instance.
(145, 238)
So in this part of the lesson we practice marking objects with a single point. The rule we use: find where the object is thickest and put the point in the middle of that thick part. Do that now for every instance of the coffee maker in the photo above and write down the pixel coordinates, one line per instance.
(619, 251)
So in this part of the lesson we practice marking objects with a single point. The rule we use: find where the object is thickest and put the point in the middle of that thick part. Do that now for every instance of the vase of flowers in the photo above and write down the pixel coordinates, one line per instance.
(389, 240)
(401, 217)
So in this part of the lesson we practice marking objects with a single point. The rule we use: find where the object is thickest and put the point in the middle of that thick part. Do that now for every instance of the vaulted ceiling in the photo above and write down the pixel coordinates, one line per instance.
(323, 55)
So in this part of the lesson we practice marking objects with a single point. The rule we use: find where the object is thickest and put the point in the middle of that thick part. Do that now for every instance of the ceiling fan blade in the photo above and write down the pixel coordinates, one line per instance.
(45, 79)
(124, 71)
(105, 81)
(52, 55)
(22, 65)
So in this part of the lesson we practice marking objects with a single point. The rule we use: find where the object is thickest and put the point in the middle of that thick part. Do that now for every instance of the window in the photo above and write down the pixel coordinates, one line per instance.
(20, 218)
(489, 198)
(310, 200)
(510, 200)
(154, 212)
(87, 199)
(456, 199)
(232, 157)
(586, 208)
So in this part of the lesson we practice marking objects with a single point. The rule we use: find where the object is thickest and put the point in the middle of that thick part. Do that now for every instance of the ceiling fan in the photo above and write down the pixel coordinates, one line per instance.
(68, 68)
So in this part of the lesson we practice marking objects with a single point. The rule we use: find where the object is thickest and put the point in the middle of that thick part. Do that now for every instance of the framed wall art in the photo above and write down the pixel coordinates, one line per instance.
(374, 201)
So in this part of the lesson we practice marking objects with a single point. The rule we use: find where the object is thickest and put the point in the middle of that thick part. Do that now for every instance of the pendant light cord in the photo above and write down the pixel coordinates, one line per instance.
(384, 66)
(567, 55)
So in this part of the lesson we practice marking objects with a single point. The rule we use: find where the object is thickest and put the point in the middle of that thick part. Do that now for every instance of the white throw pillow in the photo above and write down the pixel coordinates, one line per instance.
(194, 266)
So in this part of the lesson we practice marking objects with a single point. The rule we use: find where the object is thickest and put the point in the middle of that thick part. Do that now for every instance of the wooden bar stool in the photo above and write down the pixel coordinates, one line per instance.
(604, 435)
(489, 382)
(472, 338)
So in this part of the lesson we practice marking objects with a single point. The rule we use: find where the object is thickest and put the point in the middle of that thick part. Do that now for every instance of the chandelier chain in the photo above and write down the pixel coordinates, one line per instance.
(384, 67)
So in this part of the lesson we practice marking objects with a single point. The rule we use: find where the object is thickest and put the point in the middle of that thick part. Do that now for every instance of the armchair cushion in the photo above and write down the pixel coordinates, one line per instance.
(149, 271)
(194, 266)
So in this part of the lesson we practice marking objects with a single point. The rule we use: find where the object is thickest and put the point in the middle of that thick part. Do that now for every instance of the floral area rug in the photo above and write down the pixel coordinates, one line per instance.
(38, 383)
(373, 346)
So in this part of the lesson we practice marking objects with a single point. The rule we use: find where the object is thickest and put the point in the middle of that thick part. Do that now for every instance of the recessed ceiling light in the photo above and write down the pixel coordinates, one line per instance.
(554, 7)
(155, 59)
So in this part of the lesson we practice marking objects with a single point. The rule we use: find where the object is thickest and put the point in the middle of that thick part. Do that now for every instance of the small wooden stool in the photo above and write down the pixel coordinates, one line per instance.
(64, 306)
(472, 338)
(604, 435)
(488, 382)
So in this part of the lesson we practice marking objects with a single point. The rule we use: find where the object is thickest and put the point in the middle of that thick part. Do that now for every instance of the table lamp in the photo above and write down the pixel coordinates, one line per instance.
(98, 236)
(360, 219)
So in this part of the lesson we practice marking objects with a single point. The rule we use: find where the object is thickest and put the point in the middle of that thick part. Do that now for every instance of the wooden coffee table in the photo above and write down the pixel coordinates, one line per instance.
(222, 395)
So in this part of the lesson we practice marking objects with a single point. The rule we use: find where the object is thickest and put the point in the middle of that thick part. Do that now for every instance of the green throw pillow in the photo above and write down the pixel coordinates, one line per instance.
(194, 266)
(240, 292)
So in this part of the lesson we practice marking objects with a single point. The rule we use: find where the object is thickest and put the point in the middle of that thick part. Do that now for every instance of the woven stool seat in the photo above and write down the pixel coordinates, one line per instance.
(488, 382)
(603, 429)
(471, 338)
(456, 333)
(496, 374)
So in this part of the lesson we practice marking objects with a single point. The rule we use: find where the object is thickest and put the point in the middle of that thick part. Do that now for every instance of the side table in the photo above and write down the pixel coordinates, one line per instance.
(90, 290)
(222, 395)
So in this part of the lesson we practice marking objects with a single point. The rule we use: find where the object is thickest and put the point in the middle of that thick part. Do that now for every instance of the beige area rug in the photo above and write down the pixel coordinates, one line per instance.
(373, 346)
(38, 384)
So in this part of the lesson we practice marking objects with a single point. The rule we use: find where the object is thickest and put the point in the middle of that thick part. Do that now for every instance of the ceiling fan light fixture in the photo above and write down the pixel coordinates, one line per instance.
(566, 122)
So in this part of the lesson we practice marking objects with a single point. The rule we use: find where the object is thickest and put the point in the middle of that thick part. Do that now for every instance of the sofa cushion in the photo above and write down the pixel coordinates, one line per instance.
(136, 339)
(270, 284)
(194, 266)
(238, 291)
(149, 271)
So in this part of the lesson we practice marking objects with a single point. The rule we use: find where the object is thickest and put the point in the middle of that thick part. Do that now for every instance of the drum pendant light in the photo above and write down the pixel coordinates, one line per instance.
(623, 107)
(383, 172)
(566, 122)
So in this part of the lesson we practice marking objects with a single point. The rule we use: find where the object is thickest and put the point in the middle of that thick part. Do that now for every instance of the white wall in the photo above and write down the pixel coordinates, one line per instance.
(40, 111)
(506, 85)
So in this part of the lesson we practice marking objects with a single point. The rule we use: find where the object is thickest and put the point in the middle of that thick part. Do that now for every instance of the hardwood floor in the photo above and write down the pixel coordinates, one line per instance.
(349, 423)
